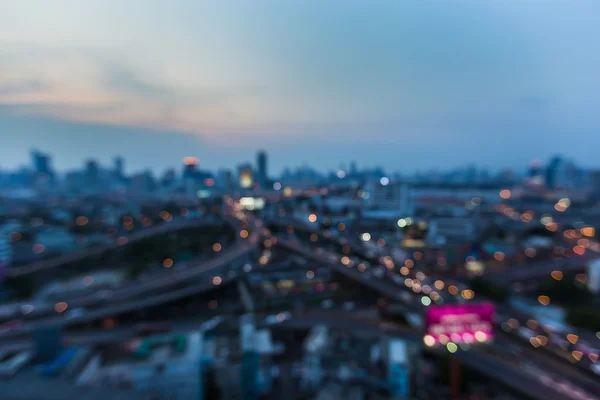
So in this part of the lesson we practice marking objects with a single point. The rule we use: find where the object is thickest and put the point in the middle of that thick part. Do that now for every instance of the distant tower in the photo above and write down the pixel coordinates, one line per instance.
(190, 165)
(41, 164)
(261, 164)
(92, 172)
(118, 165)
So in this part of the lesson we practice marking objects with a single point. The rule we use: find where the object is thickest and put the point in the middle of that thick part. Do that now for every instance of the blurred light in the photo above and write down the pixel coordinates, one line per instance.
(167, 263)
(38, 248)
(420, 275)
(435, 296)
(480, 336)
(429, 340)
(426, 301)
(581, 278)
(341, 174)
(559, 207)
(505, 194)
(564, 202)
(535, 342)
(409, 263)
(557, 275)
(439, 285)
(526, 217)
(243, 234)
(190, 161)
(467, 294)
(362, 267)
(263, 260)
(345, 260)
(247, 267)
(452, 347)
(314, 237)
(546, 219)
(346, 249)
(499, 256)
(217, 280)
(513, 323)
(312, 218)
(88, 280)
(341, 227)
(552, 226)
(122, 240)
(60, 307)
(217, 247)
(588, 231)
(404, 271)
(277, 186)
(453, 290)
(401, 223)
(287, 192)
(544, 300)
(365, 237)
(465, 346)
(532, 324)
(443, 339)
(572, 338)
(384, 181)
(15, 236)
(381, 242)
(310, 274)
(579, 250)
(543, 340)
(530, 252)
(408, 282)
(81, 220)
(577, 355)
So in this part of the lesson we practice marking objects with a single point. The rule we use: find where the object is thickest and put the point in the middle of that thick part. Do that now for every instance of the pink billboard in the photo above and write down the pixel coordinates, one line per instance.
(458, 323)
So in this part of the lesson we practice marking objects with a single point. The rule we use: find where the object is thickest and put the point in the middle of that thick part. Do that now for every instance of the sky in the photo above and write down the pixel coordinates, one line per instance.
(398, 84)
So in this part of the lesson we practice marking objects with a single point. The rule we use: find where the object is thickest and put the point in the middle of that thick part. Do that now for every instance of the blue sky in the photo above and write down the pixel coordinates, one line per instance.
(404, 85)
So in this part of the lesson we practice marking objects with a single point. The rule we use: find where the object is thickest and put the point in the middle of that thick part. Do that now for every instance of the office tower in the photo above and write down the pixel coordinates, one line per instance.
(92, 172)
(118, 164)
(190, 167)
(41, 164)
(261, 164)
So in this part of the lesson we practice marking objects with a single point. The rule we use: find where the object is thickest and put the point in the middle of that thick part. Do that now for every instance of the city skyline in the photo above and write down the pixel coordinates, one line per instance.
(417, 87)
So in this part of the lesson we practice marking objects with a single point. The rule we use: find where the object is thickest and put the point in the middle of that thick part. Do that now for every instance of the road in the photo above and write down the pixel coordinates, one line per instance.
(552, 365)
(81, 255)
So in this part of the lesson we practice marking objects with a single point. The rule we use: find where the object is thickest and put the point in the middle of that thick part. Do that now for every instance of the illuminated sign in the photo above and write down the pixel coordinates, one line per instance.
(459, 323)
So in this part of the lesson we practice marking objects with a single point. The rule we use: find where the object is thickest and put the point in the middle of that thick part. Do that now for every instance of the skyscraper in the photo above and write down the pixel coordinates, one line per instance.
(118, 167)
(261, 163)
(41, 164)
(190, 170)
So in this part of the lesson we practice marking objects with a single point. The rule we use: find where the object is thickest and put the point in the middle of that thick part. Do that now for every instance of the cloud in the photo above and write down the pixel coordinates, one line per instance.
(34, 85)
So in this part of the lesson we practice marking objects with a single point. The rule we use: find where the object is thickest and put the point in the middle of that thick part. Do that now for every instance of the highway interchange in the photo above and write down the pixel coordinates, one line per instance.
(537, 373)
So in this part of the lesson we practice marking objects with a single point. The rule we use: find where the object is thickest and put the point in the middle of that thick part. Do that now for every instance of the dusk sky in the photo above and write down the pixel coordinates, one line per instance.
(400, 84)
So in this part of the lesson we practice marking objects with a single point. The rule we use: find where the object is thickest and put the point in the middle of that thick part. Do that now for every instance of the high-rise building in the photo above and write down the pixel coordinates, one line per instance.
(390, 196)
(92, 172)
(41, 164)
(261, 164)
(118, 164)
(190, 167)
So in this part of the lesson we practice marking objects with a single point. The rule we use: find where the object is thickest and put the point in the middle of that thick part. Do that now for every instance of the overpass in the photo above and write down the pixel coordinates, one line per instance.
(82, 254)
(163, 287)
